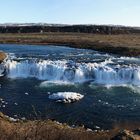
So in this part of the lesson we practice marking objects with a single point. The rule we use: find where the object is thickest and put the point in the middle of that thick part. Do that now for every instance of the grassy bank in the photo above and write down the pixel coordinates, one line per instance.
(52, 130)
(46, 130)
(128, 44)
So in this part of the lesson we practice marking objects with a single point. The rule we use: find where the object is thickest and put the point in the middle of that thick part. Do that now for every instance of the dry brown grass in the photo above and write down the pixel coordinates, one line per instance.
(46, 130)
(51, 130)
(125, 39)
(126, 44)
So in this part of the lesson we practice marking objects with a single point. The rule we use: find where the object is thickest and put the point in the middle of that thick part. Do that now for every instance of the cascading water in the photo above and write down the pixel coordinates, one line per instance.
(2, 69)
(106, 72)
(45, 70)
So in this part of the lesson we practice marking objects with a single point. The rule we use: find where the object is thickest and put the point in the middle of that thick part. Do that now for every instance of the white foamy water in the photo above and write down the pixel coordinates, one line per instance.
(106, 72)
(56, 83)
(2, 69)
(46, 70)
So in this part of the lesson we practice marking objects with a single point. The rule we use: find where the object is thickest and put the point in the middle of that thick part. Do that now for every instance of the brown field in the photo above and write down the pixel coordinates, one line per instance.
(46, 130)
(126, 44)
(52, 130)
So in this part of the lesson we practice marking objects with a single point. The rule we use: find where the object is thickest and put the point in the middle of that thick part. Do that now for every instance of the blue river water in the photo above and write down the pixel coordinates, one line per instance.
(110, 85)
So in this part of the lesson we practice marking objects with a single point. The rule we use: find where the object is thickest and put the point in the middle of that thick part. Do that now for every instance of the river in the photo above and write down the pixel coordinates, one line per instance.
(109, 83)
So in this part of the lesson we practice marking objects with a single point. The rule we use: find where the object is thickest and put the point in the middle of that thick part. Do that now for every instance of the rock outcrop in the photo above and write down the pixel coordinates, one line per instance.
(3, 56)
(128, 135)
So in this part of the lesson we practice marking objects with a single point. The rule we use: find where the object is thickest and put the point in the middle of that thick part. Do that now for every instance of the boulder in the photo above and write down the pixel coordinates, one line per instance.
(127, 135)
(2, 56)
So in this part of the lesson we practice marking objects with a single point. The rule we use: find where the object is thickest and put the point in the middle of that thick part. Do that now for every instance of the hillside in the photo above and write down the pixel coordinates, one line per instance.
(45, 28)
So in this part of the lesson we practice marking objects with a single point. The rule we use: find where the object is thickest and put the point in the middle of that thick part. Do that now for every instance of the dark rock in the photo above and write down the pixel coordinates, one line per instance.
(127, 135)
(137, 132)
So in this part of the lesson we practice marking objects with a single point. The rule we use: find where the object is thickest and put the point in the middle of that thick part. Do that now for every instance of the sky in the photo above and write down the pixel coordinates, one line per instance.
(118, 12)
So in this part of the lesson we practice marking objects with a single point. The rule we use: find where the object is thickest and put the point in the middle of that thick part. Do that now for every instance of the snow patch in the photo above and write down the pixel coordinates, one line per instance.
(66, 97)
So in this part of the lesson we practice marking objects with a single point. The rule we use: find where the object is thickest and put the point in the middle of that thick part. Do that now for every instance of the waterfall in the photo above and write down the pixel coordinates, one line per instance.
(101, 73)
(2, 69)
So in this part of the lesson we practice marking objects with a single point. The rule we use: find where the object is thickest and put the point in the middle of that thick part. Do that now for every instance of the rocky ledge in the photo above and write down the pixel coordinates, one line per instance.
(128, 135)
(2, 56)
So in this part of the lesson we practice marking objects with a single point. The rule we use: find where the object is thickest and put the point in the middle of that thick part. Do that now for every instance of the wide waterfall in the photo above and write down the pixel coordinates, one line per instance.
(106, 72)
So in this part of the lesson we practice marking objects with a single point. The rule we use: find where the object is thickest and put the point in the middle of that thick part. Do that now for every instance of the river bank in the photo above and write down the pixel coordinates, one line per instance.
(25, 129)
(12, 129)
(122, 44)
(50, 130)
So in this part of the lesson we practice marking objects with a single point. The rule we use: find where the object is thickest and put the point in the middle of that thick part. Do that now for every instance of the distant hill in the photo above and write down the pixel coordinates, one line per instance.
(44, 28)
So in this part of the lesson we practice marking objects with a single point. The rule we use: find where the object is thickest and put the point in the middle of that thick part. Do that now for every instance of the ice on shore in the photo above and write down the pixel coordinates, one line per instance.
(66, 97)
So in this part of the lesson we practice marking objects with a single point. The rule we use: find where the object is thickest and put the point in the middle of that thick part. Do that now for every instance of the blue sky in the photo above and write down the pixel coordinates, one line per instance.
(122, 12)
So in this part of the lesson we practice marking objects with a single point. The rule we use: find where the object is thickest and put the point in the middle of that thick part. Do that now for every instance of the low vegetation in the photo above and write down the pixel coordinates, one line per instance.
(45, 28)
(46, 130)
(123, 44)
(11, 129)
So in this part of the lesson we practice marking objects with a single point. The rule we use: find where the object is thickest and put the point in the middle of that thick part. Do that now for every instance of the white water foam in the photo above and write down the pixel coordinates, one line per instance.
(107, 72)
(45, 70)
(56, 83)
(2, 69)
